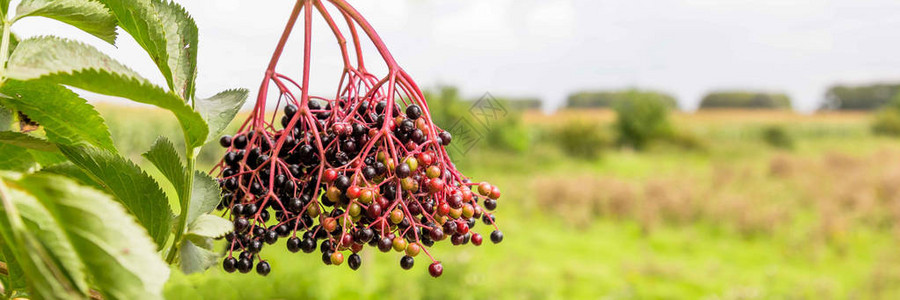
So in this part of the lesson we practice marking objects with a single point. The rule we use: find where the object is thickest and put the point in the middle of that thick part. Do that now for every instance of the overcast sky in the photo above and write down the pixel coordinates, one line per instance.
(550, 48)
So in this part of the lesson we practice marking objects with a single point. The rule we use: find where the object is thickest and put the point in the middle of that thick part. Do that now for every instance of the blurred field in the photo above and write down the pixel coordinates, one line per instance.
(736, 219)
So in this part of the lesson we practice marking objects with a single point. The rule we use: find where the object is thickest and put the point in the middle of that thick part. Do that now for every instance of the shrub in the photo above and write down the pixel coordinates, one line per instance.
(778, 137)
(452, 112)
(509, 134)
(887, 122)
(582, 139)
(641, 119)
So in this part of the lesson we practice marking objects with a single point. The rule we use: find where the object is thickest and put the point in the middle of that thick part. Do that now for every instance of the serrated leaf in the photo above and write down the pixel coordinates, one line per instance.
(41, 56)
(120, 257)
(210, 226)
(82, 66)
(205, 196)
(26, 141)
(194, 258)
(39, 222)
(181, 45)
(140, 19)
(163, 155)
(44, 277)
(45, 159)
(13, 42)
(66, 117)
(15, 158)
(219, 110)
(73, 172)
(90, 16)
(130, 185)
(15, 279)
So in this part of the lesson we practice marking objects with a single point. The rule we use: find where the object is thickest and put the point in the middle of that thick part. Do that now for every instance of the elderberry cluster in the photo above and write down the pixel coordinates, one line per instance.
(345, 173)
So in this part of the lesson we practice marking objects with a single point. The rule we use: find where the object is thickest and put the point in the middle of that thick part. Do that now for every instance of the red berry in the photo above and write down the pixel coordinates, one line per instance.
(476, 239)
(436, 269)
(495, 192)
(353, 192)
(435, 185)
(425, 159)
(462, 227)
(330, 175)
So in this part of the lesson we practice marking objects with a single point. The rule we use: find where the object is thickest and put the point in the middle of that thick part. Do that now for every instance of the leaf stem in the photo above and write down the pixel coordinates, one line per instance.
(4, 49)
(185, 205)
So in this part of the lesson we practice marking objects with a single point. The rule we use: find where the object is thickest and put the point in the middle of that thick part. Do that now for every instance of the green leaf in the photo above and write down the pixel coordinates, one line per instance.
(120, 257)
(90, 16)
(73, 172)
(15, 280)
(44, 276)
(39, 222)
(6, 118)
(15, 158)
(140, 19)
(66, 117)
(84, 67)
(209, 226)
(181, 45)
(46, 55)
(205, 196)
(163, 155)
(219, 110)
(26, 141)
(45, 159)
(4, 6)
(13, 42)
(130, 185)
(194, 258)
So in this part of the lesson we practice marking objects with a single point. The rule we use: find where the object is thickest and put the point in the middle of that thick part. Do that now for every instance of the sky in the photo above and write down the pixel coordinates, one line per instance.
(551, 48)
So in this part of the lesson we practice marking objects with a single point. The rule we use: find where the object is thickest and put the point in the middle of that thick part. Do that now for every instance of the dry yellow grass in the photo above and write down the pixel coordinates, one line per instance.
(842, 191)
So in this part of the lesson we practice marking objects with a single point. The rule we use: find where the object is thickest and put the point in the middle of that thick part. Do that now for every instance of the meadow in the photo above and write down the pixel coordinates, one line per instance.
(732, 218)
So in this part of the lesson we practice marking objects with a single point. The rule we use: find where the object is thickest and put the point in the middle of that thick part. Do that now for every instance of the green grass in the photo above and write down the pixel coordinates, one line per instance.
(546, 256)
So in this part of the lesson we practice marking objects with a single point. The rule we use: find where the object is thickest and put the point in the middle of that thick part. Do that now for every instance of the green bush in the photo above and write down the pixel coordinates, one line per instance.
(509, 134)
(887, 120)
(778, 137)
(641, 119)
(739, 99)
(451, 112)
(581, 139)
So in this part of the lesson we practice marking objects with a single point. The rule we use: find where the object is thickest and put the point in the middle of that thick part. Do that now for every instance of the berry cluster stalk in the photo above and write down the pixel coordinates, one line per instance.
(352, 169)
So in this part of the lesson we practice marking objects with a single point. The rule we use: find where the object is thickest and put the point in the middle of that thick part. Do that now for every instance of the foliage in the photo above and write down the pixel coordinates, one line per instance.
(580, 139)
(887, 120)
(741, 99)
(778, 137)
(642, 118)
(866, 97)
(78, 217)
(453, 113)
(603, 99)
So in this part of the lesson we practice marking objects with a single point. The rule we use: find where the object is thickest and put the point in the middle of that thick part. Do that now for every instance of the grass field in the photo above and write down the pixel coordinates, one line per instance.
(736, 219)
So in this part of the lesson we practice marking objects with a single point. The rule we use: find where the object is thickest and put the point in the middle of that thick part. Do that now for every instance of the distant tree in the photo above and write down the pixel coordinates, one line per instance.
(607, 99)
(743, 99)
(867, 97)
(523, 103)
